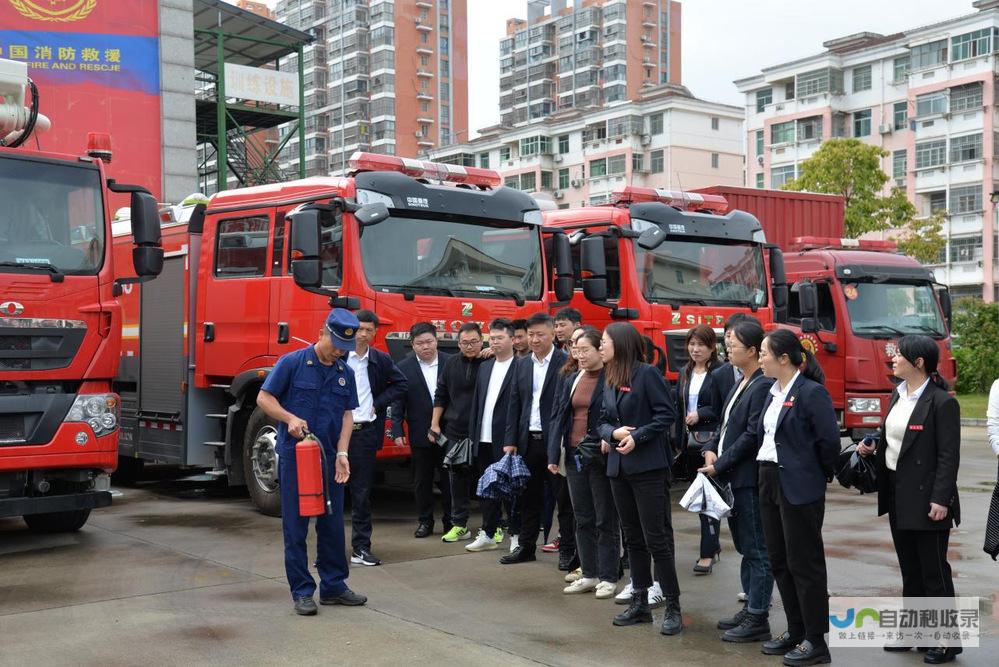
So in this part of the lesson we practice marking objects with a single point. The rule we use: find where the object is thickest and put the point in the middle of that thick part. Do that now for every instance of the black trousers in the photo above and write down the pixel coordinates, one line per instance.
(532, 500)
(596, 521)
(427, 465)
(922, 556)
(793, 535)
(643, 504)
(566, 518)
(463, 483)
(364, 446)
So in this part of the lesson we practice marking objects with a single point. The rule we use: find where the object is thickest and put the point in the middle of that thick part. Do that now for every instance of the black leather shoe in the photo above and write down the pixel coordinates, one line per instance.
(896, 648)
(638, 610)
(348, 599)
(565, 562)
(780, 644)
(673, 619)
(807, 653)
(306, 606)
(734, 621)
(938, 655)
(753, 628)
(424, 530)
(518, 555)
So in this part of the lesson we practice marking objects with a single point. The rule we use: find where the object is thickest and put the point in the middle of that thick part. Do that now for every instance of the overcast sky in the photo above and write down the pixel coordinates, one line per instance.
(722, 40)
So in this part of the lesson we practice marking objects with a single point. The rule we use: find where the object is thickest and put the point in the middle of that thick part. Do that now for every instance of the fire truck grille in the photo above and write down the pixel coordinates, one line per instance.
(39, 347)
(11, 429)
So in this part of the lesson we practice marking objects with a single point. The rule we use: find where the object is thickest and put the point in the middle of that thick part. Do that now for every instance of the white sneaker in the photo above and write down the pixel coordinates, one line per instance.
(514, 542)
(624, 597)
(605, 589)
(482, 542)
(742, 597)
(581, 585)
(656, 595)
(574, 575)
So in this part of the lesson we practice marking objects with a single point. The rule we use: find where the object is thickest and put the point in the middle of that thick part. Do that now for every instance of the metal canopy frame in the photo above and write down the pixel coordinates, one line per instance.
(224, 33)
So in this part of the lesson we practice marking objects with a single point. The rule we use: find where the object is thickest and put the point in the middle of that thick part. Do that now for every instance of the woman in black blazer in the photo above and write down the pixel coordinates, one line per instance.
(698, 422)
(917, 462)
(731, 457)
(635, 421)
(798, 440)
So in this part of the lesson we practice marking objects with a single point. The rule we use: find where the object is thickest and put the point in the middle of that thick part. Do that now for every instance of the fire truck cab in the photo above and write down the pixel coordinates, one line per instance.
(251, 274)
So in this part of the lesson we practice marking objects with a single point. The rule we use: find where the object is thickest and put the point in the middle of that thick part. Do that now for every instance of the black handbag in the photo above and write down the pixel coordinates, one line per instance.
(460, 455)
(589, 452)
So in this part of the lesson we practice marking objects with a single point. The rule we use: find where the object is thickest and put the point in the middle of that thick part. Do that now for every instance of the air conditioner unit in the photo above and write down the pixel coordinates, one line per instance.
(557, 159)
(576, 183)
(557, 194)
(646, 139)
(885, 128)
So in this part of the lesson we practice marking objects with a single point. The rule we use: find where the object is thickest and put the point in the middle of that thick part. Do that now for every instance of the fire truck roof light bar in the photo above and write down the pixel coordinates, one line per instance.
(686, 201)
(437, 171)
(824, 242)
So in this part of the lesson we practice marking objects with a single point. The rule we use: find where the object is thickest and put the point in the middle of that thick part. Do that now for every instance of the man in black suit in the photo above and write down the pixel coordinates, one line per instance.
(487, 427)
(415, 408)
(379, 384)
(532, 399)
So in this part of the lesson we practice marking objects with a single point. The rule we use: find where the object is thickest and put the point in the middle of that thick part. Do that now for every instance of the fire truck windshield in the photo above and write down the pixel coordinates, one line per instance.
(456, 257)
(703, 272)
(52, 218)
(890, 310)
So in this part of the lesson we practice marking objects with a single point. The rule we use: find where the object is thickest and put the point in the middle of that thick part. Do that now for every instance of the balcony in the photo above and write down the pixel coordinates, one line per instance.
(426, 26)
(424, 50)
(423, 4)
(425, 142)
(648, 23)
(424, 73)
(423, 95)
(425, 119)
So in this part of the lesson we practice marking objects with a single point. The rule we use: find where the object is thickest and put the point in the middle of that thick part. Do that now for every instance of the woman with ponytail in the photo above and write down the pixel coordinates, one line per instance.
(916, 462)
(798, 437)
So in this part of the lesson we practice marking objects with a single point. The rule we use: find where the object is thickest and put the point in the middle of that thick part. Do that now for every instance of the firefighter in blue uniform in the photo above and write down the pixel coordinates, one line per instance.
(313, 390)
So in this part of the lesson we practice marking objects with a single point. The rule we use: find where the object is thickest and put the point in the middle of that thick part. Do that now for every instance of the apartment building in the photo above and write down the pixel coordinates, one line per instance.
(383, 76)
(666, 138)
(592, 53)
(928, 96)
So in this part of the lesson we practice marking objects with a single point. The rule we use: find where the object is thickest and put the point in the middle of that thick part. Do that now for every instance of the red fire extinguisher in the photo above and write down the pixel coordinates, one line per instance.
(310, 460)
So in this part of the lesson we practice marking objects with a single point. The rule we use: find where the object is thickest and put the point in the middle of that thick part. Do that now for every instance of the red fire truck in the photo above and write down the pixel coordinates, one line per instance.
(667, 261)
(60, 317)
(252, 273)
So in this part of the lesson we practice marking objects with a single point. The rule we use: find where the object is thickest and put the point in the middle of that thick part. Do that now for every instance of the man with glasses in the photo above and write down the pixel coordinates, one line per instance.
(453, 405)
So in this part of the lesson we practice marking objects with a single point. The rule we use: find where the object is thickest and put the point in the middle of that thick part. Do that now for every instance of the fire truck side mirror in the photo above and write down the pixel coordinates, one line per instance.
(593, 268)
(778, 278)
(564, 283)
(808, 306)
(306, 267)
(946, 307)
(147, 255)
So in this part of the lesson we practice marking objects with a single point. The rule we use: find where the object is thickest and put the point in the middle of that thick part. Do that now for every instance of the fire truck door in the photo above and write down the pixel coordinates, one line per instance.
(237, 327)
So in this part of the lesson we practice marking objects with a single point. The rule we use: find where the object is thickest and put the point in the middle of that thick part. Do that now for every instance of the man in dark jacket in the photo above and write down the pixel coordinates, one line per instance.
(532, 401)
(415, 408)
(379, 384)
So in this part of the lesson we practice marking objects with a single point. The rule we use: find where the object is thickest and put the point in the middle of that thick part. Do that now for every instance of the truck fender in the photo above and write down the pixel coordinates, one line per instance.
(244, 389)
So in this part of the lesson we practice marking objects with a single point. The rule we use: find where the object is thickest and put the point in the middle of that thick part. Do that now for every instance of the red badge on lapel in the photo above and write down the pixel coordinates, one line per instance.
(915, 427)
(626, 389)
(788, 404)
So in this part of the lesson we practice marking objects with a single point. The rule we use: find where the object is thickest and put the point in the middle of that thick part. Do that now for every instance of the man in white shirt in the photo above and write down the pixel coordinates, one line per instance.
(488, 423)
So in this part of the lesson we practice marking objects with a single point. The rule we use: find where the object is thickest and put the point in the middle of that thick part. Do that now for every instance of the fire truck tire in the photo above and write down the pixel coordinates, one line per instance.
(57, 522)
(129, 470)
(260, 463)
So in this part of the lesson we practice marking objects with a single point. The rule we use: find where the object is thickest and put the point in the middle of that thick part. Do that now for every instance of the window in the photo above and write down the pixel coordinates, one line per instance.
(546, 180)
(938, 202)
(715, 122)
(563, 179)
(931, 153)
(928, 55)
(598, 168)
(760, 180)
(825, 80)
(861, 78)
(484, 160)
(539, 145)
(637, 161)
(971, 44)
(826, 308)
(966, 98)
(898, 159)
(563, 144)
(789, 90)
(931, 104)
(967, 147)
(759, 142)
(810, 129)
(901, 115)
(241, 247)
(528, 181)
(504, 153)
(862, 123)
(966, 249)
(782, 133)
(781, 175)
(656, 123)
(714, 160)
(657, 163)
(966, 199)
(763, 98)
(901, 70)
(615, 165)
(443, 46)
(512, 182)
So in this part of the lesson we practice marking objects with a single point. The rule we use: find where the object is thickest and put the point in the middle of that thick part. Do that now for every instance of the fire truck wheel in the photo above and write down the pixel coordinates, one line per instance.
(128, 472)
(57, 522)
(260, 463)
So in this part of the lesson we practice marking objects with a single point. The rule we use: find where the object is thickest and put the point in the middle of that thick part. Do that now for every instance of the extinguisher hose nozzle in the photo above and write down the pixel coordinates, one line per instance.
(327, 496)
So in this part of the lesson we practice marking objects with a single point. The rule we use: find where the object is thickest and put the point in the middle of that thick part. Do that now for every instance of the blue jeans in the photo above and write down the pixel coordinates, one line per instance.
(747, 533)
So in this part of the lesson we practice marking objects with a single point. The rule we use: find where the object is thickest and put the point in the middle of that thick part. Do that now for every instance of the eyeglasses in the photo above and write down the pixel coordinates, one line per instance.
(468, 343)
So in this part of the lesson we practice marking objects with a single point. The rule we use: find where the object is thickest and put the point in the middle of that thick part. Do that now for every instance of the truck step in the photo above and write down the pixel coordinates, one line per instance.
(213, 444)
(217, 416)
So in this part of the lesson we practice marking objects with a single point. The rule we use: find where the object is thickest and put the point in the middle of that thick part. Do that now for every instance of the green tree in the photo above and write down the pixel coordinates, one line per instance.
(852, 169)
(976, 330)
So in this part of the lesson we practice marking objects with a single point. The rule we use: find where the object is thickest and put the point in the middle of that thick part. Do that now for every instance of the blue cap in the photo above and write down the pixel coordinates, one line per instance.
(342, 325)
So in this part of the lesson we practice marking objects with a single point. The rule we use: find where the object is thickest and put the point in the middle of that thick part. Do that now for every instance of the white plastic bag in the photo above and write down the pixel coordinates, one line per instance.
(703, 497)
